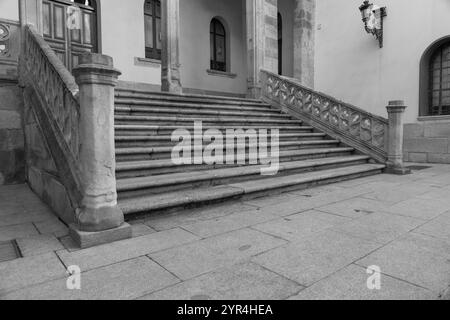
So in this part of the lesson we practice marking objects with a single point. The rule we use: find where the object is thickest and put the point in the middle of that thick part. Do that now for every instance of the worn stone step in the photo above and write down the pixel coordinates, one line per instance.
(136, 129)
(138, 186)
(166, 140)
(186, 105)
(166, 152)
(192, 112)
(139, 168)
(237, 122)
(139, 154)
(196, 197)
(192, 98)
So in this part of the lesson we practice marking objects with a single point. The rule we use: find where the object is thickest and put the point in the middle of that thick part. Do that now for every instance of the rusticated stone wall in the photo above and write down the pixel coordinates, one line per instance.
(12, 156)
(428, 141)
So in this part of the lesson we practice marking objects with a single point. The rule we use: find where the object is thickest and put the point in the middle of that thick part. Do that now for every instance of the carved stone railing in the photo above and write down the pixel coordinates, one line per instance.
(76, 118)
(357, 128)
(55, 84)
(57, 108)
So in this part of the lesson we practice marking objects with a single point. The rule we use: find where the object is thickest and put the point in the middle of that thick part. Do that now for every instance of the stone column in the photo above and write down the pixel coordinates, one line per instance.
(262, 42)
(396, 110)
(99, 220)
(304, 41)
(170, 60)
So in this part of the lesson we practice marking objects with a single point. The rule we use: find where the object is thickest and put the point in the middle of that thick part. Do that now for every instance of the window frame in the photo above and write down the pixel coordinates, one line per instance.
(153, 53)
(215, 65)
(438, 54)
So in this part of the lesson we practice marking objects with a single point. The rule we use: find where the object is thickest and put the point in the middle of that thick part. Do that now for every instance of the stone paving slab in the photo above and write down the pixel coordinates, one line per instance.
(17, 231)
(354, 208)
(52, 226)
(379, 227)
(22, 217)
(104, 255)
(298, 226)
(439, 227)
(417, 259)
(420, 209)
(170, 221)
(139, 230)
(207, 255)
(29, 271)
(37, 245)
(245, 281)
(228, 223)
(400, 193)
(350, 283)
(126, 280)
(315, 257)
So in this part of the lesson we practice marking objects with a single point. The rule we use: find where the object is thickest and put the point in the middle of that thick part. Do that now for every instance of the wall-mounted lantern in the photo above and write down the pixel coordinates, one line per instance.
(372, 16)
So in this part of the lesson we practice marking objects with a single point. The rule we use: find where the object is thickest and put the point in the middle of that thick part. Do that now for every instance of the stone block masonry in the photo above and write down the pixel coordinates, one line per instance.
(428, 141)
(12, 163)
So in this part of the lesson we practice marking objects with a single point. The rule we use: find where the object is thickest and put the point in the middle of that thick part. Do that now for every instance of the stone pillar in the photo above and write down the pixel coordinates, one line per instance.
(396, 110)
(99, 220)
(304, 41)
(170, 60)
(262, 42)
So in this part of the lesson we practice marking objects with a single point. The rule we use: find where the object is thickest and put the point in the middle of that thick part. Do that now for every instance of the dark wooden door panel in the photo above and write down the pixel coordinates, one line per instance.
(67, 43)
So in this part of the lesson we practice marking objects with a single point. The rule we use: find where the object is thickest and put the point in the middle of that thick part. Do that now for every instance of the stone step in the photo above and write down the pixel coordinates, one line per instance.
(236, 122)
(186, 105)
(188, 198)
(166, 140)
(192, 98)
(138, 154)
(135, 129)
(138, 186)
(154, 153)
(139, 168)
(192, 112)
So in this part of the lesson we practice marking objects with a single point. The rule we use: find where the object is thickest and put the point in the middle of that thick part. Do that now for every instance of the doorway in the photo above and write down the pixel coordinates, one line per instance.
(70, 41)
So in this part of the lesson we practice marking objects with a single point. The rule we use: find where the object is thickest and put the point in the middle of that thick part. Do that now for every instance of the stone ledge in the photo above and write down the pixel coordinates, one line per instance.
(91, 239)
(221, 74)
(434, 118)
(145, 62)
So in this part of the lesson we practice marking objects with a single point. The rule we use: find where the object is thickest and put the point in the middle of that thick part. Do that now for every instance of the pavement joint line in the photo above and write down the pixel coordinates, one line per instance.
(163, 267)
(399, 279)
(269, 234)
(280, 275)
(182, 227)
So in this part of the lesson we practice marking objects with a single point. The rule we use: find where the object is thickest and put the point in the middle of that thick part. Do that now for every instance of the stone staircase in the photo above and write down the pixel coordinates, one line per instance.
(148, 181)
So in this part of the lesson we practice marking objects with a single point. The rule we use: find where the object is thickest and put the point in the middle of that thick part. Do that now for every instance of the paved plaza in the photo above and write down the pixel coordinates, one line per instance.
(311, 244)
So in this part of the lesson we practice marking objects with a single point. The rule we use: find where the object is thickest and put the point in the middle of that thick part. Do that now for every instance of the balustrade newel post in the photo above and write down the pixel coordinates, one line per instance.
(99, 220)
(396, 109)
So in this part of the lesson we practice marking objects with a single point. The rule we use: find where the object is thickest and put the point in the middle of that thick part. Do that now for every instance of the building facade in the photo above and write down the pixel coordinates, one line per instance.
(311, 59)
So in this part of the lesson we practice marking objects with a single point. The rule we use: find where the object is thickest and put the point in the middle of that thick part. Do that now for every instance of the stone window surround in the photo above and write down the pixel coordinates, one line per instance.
(146, 62)
(221, 74)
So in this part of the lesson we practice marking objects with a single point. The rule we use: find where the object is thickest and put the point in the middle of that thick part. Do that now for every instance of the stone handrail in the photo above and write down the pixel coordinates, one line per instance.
(55, 84)
(58, 110)
(358, 128)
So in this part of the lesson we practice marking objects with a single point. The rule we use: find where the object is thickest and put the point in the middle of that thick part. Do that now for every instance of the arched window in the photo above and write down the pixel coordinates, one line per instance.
(280, 44)
(439, 85)
(152, 16)
(218, 46)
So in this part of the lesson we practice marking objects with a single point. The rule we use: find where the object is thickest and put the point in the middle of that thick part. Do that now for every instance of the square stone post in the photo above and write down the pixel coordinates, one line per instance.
(304, 41)
(262, 42)
(170, 59)
(100, 220)
(395, 165)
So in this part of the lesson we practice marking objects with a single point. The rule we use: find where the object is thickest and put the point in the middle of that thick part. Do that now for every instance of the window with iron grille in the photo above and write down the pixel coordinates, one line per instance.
(218, 46)
(439, 88)
(152, 16)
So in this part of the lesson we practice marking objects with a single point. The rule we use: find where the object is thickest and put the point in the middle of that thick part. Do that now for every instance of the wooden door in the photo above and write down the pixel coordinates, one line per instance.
(69, 43)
